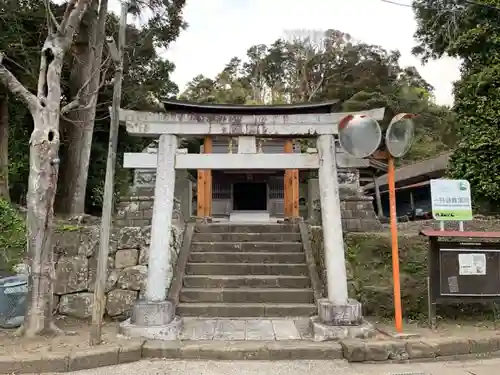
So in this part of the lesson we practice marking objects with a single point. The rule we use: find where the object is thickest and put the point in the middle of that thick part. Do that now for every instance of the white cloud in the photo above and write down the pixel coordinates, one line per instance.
(221, 29)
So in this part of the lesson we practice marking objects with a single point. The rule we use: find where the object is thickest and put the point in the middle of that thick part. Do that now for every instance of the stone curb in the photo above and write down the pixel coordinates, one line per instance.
(355, 350)
(420, 349)
(83, 359)
(238, 350)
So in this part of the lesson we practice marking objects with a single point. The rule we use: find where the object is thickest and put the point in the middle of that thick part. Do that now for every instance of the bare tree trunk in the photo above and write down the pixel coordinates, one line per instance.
(44, 146)
(4, 146)
(77, 127)
(42, 186)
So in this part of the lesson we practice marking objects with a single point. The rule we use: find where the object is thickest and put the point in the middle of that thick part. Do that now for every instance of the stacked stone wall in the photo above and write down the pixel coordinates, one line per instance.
(136, 209)
(76, 251)
(357, 211)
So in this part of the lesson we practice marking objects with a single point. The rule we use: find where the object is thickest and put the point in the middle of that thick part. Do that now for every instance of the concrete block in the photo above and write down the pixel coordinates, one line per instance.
(152, 314)
(166, 332)
(351, 313)
(324, 332)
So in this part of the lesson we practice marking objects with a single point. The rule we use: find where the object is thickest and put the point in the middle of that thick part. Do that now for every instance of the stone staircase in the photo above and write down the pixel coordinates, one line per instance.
(238, 270)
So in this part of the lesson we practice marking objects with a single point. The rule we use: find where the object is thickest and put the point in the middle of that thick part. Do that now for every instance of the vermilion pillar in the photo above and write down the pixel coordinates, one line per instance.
(204, 186)
(291, 186)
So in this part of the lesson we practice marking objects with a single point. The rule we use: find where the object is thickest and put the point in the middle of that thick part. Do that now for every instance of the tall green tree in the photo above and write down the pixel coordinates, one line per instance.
(146, 79)
(87, 70)
(469, 31)
(332, 66)
(22, 33)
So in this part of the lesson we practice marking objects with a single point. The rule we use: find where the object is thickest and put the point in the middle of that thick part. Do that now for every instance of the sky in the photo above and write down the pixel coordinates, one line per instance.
(221, 29)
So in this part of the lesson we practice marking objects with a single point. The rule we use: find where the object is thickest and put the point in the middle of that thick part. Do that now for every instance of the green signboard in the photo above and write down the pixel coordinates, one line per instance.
(451, 200)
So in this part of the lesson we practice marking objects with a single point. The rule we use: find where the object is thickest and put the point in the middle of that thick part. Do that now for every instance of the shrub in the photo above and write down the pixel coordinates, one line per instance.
(12, 236)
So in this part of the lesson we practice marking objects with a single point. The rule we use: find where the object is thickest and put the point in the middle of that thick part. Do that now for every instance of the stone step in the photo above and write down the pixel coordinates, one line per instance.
(247, 295)
(232, 310)
(246, 237)
(236, 281)
(299, 269)
(246, 228)
(273, 247)
(246, 257)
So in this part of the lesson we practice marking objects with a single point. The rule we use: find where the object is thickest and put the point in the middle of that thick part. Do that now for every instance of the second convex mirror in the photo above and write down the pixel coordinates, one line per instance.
(400, 134)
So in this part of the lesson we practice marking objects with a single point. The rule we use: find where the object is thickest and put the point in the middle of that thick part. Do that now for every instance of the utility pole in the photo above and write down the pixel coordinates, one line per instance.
(107, 206)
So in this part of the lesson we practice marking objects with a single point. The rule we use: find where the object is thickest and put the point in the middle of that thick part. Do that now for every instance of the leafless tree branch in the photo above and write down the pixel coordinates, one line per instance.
(80, 96)
(15, 87)
(42, 78)
(51, 19)
(74, 104)
(67, 12)
(72, 18)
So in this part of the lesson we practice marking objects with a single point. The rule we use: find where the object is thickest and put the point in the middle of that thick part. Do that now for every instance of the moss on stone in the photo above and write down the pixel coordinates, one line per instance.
(370, 258)
(67, 228)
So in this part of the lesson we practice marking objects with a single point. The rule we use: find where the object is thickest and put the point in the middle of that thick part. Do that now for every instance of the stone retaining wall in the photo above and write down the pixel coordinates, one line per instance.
(369, 271)
(358, 214)
(76, 251)
(369, 274)
(136, 209)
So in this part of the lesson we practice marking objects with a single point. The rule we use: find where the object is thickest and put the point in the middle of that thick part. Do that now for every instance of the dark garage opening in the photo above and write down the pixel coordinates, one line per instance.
(250, 196)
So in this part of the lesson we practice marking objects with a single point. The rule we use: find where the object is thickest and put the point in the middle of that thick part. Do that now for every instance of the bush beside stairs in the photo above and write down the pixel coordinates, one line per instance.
(241, 270)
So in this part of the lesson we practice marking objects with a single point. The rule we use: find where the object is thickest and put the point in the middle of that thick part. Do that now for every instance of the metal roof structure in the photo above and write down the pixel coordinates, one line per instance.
(415, 173)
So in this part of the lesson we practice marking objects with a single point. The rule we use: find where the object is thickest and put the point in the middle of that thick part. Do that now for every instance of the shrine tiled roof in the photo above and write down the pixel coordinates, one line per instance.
(173, 105)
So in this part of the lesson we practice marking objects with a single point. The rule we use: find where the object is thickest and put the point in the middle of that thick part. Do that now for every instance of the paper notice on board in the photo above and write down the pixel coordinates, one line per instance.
(472, 264)
(453, 284)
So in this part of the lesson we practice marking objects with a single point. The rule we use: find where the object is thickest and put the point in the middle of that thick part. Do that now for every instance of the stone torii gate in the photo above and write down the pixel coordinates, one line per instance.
(156, 310)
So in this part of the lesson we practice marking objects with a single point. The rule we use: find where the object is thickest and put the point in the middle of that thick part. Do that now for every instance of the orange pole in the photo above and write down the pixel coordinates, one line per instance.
(398, 315)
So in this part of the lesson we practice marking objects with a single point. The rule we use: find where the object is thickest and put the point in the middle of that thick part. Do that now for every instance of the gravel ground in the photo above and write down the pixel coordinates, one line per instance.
(76, 337)
(158, 367)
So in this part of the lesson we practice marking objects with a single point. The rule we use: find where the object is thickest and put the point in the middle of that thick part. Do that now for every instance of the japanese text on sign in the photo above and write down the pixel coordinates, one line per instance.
(472, 264)
(451, 200)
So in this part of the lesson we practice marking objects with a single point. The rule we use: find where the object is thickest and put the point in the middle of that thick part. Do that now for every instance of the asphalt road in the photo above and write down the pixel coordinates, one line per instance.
(171, 367)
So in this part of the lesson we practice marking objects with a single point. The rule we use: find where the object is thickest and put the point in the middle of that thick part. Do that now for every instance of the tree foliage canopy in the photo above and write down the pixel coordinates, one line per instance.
(469, 32)
(146, 78)
(331, 66)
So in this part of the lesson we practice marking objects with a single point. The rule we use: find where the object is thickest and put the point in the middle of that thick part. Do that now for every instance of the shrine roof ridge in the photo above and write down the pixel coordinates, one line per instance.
(179, 106)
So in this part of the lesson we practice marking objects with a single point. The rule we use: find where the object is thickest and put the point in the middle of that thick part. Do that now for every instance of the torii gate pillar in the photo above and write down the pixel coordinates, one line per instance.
(149, 317)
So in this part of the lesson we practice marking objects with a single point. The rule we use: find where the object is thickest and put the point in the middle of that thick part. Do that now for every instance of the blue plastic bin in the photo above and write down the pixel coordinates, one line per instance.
(13, 295)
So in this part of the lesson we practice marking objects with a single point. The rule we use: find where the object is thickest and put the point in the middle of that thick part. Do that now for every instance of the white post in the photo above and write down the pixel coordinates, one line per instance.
(159, 252)
(378, 198)
(332, 223)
